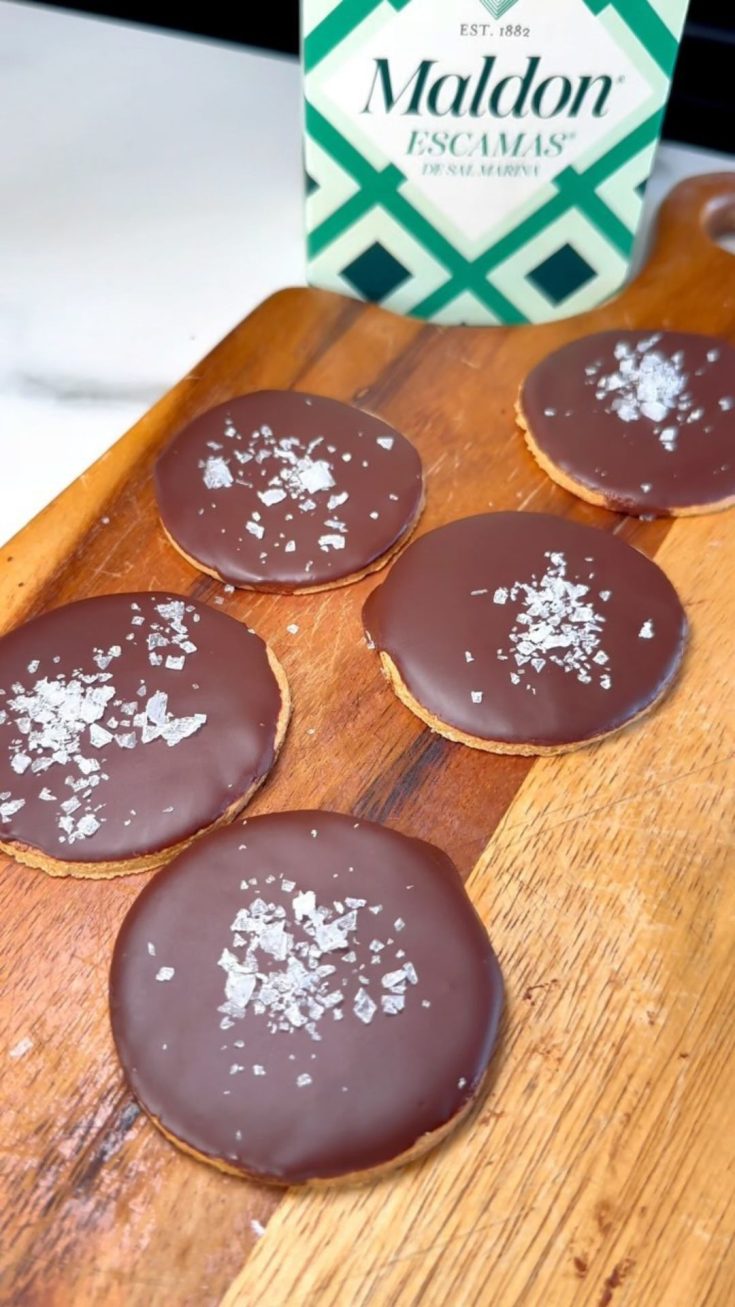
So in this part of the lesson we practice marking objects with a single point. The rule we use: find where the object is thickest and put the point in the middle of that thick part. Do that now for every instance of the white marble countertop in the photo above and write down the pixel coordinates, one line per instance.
(151, 197)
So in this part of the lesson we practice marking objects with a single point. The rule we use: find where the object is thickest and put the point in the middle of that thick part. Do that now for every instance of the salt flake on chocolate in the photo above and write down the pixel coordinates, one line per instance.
(327, 542)
(216, 474)
(364, 1007)
(283, 964)
(272, 496)
(648, 384)
(557, 624)
(9, 806)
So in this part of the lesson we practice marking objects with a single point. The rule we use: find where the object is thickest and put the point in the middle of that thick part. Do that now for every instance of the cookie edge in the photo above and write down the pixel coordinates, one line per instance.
(525, 749)
(338, 583)
(30, 856)
(424, 1144)
(590, 496)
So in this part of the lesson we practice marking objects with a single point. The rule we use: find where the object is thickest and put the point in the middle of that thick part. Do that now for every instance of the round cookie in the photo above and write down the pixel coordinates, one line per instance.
(639, 422)
(282, 491)
(526, 633)
(129, 724)
(305, 997)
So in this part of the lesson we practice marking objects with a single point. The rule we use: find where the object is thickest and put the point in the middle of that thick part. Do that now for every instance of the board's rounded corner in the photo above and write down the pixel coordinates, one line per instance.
(289, 297)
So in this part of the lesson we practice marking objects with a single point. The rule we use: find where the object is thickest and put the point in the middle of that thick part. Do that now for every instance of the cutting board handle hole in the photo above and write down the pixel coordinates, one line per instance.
(719, 222)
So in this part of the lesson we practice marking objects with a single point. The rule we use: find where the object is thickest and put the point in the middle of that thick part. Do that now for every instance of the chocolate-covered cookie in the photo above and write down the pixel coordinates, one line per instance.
(305, 997)
(639, 422)
(283, 491)
(525, 633)
(129, 724)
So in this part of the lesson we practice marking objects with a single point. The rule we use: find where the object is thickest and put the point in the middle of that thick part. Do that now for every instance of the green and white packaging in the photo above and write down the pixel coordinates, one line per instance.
(481, 161)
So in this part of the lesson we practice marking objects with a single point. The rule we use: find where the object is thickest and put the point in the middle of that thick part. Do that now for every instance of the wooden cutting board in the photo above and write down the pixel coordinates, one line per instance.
(598, 1167)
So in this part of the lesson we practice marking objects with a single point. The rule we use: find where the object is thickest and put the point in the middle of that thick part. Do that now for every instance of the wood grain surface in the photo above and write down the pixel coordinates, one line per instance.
(598, 1168)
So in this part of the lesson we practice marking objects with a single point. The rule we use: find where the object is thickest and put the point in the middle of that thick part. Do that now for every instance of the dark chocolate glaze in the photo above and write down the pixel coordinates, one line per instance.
(427, 619)
(377, 1085)
(347, 502)
(626, 461)
(148, 796)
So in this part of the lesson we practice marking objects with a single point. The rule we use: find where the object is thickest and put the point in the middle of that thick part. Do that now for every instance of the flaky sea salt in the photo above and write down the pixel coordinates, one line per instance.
(647, 383)
(63, 721)
(331, 541)
(282, 966)
(157, 722)
(290, 469)
(216, 474)
(557, 624)
(364, 1007)
(272, 496)
(392, 1004)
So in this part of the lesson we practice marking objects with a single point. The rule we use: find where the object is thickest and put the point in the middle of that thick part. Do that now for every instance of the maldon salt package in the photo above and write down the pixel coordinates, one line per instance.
(481, 161)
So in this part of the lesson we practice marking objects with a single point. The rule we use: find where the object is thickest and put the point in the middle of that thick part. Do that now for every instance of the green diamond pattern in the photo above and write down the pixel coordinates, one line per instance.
(499, 7)
(562, 274)
(375, 273)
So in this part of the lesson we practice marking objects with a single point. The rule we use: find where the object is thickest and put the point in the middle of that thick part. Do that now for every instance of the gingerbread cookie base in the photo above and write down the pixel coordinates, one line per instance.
(636, 422)
(402, 692)
(30, 857)
(275, 995)
(425, 1145)
(131, 724)
(376, 566)
(525, 633)
(281, 492)
(592, 496)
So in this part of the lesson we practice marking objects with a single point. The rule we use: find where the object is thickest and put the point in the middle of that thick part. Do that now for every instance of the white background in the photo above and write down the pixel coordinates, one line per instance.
(150, 197)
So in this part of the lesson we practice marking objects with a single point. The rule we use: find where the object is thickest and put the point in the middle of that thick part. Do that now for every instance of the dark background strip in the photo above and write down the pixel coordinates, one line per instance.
(702, 107)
